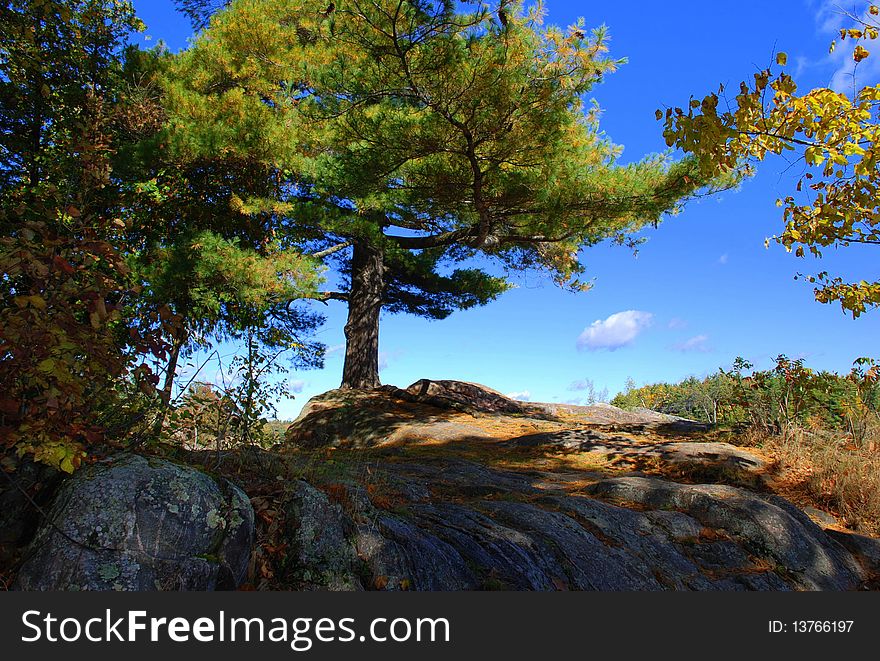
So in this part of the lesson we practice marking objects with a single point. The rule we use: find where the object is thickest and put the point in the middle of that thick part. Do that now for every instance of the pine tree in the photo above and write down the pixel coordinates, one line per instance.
(416, 136)
(210, 267)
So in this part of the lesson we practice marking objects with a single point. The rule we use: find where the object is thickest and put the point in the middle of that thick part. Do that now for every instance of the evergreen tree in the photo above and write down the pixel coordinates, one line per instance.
(414, 136)
(209, 266)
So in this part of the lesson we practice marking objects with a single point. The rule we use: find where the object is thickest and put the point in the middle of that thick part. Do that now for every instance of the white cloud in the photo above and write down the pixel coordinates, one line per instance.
(296, 385)
(850, 75)
(523, 396)
(618, 330)
(677, 323)
(831, 18)
(388, 357)
(698, 344)
(332, 350)
(723, 259)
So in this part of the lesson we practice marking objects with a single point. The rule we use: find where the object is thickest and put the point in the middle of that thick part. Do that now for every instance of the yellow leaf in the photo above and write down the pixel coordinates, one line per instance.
(781, 59)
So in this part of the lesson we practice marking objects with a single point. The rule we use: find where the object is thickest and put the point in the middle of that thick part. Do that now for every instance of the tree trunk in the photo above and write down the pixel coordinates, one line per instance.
(171, 372)
(168, 386)
(361, 370)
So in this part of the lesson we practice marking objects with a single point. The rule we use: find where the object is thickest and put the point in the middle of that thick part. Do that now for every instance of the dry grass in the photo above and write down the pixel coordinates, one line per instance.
(838, 473)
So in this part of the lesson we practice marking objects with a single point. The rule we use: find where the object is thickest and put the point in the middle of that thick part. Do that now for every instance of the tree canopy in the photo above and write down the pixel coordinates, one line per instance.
(409, 156)
(115, 255)
(411, 137)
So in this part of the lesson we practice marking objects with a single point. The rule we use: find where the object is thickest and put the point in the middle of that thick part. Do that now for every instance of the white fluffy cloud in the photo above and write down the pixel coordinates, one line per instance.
(618, 330)
(296, 385)
(522, 396)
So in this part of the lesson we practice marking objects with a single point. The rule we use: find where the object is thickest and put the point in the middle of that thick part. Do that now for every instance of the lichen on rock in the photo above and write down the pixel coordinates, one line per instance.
(137, 523)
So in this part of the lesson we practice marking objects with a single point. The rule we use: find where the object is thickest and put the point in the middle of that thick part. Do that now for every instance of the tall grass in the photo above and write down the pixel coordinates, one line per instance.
(839, 471)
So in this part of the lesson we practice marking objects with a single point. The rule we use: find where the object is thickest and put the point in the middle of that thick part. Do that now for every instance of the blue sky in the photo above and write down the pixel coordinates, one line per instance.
(702, 290)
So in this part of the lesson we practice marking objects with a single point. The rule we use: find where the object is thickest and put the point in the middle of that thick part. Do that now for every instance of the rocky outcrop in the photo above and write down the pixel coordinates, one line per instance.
(490, 529)
(133, 523)
(634, 419)
(388, 416)
(462, 396)
(468, 501)
(445, 411)
(769, 527)
(689, 454)
(866, 550)
(449, 486)
(320, 554)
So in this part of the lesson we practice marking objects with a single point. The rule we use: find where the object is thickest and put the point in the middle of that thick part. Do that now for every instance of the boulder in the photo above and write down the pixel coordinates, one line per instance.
(463, 396)
(138, 523)
(23, 493)
(320, 555)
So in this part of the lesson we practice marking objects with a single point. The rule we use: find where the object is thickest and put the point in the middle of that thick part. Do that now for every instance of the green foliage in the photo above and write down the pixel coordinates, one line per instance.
(770, 400)
(210, 256)
(429, 132)
(205, 418)
(212, 416)
(199, 12)
(116, 252)
(414, 285)
(217, 285)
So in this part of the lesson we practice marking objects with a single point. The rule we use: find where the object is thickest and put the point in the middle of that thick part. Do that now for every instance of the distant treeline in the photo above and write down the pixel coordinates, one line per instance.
(789, 393)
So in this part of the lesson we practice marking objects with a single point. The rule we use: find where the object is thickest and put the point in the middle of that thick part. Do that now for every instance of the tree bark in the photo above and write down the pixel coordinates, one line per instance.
(168, 387)
(361, 369)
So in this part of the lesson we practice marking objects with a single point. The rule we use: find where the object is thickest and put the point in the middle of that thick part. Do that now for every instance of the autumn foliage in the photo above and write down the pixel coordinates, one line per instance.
(835, 202)
(63, 275)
